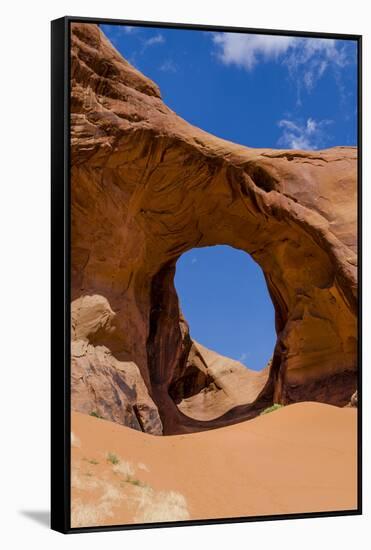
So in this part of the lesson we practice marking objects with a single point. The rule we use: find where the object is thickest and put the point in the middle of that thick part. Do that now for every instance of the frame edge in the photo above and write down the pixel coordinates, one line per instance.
(60, 423)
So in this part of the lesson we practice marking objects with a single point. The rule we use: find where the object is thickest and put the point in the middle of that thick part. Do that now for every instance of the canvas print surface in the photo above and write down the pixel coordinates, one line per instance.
(213, 274)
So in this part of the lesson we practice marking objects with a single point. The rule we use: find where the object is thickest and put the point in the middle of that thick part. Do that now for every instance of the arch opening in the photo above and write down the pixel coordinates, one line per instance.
(224, 297)
(207, 382)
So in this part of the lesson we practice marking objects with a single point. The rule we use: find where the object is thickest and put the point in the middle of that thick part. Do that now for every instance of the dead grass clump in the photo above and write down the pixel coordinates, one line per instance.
(161, 506)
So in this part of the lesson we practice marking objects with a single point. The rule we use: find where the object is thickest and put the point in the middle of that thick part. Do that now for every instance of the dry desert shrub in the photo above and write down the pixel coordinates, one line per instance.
(147, 505)
(112, 458)
(110, 493)
(161, 506)
(91, 461)
(124, 468)
(89, 515)
(83, 482)
(273, 408)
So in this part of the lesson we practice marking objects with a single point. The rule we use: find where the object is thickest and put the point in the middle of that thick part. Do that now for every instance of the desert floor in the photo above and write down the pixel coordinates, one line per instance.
(301, 458)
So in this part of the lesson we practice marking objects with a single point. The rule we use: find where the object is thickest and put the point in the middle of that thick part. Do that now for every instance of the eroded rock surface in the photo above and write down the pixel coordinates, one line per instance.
(100, 384)
(147, 186)
(221, 384)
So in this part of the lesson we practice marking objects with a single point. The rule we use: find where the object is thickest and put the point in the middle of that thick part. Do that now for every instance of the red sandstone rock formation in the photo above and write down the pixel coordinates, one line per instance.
(147, 186)
(100, 384)
(221, 384)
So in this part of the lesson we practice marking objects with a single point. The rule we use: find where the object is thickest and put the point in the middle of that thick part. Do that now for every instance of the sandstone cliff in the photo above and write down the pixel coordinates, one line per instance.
(101, 385)
(146, 187)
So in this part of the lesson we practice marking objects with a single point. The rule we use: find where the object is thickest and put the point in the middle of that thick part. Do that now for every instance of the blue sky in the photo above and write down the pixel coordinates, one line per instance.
(260, 91)
(225, 299)
(257, 90)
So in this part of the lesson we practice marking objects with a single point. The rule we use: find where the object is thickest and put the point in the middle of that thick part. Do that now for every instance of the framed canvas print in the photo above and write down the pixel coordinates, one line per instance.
(206, 196)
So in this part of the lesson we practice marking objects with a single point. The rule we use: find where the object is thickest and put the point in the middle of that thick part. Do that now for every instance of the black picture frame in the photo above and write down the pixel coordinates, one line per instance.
(60, 273)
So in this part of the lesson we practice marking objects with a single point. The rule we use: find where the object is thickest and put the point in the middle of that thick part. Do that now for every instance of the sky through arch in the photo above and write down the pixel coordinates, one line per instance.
(224, 297)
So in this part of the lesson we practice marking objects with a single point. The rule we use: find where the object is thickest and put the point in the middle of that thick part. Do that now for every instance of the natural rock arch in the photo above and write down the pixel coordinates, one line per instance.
(147, 186)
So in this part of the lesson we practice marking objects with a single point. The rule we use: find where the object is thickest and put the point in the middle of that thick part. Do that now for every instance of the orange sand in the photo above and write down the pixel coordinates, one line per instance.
(301, 458)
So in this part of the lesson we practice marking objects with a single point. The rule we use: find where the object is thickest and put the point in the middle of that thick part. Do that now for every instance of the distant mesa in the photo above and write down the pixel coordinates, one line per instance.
(146, 187)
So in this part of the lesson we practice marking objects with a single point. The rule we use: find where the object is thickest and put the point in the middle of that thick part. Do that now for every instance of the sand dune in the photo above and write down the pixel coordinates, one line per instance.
(301, 458)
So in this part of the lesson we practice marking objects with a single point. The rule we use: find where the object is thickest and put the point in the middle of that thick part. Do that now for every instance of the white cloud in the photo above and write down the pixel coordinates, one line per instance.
(298, 135)
(116, 32)
(194, 261)
(168, 66)
(245, 50)
(306, 59)
(312, 57)
(244, 356)
(128, 30)
(157, 39)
